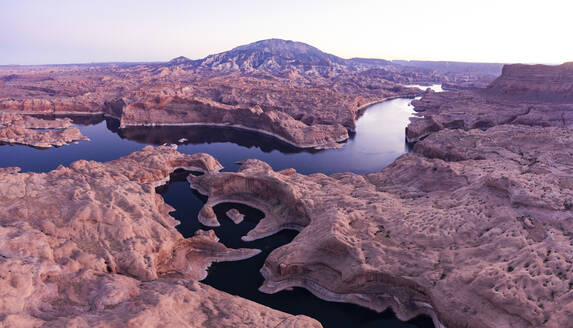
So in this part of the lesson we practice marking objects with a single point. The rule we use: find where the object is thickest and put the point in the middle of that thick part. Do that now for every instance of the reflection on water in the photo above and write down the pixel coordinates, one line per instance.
(243, 278)
(379, 139)
(196, 135)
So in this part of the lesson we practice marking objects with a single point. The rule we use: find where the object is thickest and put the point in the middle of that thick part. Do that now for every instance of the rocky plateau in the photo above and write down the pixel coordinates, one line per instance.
(286, 89)
(533, 95)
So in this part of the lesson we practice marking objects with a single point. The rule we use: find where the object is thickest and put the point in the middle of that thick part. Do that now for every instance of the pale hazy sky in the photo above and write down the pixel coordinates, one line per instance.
(74, 31)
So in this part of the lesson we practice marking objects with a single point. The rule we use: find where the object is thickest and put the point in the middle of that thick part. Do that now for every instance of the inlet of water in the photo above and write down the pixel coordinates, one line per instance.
(378, 141)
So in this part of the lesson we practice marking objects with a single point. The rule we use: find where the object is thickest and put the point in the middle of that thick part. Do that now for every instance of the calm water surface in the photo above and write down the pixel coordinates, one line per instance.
(378, 141)
(242, 278)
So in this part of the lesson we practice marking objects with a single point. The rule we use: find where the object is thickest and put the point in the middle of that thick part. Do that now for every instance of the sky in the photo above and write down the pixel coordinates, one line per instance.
(83, 31)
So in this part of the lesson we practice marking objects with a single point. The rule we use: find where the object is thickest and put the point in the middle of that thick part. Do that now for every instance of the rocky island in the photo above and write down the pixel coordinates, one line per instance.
(26, 130)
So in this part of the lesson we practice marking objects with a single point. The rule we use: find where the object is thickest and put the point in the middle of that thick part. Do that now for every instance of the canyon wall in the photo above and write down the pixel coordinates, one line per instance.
(536, 82)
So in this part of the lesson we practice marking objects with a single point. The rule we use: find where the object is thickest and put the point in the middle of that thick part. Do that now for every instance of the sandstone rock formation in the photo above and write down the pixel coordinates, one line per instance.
(537, 95)
(26, 130)
(286, 89)
(536, 82)
(475, 234)
(472, 229)
(278, 124)
(235, 215)
(92, 244)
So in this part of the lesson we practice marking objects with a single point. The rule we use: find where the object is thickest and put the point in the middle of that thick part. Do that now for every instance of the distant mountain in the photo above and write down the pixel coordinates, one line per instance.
(452, 67)
(179, 60)
(272, 55)
(276, 56)
(367, 63)
(281, 51)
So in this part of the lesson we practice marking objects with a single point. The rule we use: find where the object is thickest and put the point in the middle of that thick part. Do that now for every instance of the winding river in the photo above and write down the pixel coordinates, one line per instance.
(379, 140)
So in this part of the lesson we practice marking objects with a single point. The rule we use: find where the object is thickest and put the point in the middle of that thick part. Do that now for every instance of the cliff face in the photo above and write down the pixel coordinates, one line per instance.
(275, 123)
(536, 82)
(534, 95)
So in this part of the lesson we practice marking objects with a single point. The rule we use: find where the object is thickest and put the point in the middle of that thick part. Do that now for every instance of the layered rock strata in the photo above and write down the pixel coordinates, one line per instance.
(306, 111)
(536, 82)
(305, 103)
(534, 95)
(26, 130)
(174, 111)
(92, 244)
(286, 89)
(475, 233)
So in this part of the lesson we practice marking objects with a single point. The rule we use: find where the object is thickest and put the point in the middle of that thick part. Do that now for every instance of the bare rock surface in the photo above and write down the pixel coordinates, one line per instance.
(534, 95)
(92, 244)
(235, 215)
(536, 82)
(305, 109)
(286, 89)
(475, 234)
(27, 130)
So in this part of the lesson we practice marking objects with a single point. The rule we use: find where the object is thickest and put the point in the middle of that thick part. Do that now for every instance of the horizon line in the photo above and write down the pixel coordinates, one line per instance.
(369, 57)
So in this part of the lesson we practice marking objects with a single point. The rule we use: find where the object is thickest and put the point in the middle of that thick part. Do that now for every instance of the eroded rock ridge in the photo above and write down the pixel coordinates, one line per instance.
(286, 89)
(92, 244)
(471, 230)
(533, 95)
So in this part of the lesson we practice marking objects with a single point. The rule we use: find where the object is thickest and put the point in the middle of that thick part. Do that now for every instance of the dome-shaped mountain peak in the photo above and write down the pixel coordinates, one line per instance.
(273, 55)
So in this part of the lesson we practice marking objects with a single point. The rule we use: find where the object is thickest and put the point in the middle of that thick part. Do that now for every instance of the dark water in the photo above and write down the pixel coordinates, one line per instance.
(378, 141)
(242, 278)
